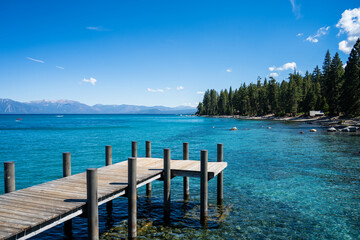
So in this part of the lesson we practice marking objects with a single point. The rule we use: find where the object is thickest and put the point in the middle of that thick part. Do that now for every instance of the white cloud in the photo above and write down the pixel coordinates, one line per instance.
(274, 74)
(349, 24)
(200, 92)
(286, 66)
(190, 104)
(180, 88)
(299, 34)
(228, 70)
(295, 9)
(312, 39)
(168, 89)
(344, 65)
(320, 32)
(91, 80)
(59, 67)
(99, 29)
(35, 60)
(155, 90)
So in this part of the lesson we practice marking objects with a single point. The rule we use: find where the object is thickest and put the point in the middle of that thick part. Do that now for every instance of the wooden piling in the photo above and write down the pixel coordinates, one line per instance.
(92, 203)
(204, 188)
(132, 197)
(66, 164)
(67, 173)
(108, 155)
(9, 176)
(220, 176)
(186, 179)
(133, 149)
(148, 155)
(167, 186)
(108, 161)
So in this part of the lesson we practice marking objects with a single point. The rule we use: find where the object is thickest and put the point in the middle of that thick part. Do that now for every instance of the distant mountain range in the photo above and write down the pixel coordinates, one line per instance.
(8, 106)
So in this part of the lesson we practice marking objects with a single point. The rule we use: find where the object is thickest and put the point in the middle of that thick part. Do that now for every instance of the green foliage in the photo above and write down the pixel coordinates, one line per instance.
(332, 90)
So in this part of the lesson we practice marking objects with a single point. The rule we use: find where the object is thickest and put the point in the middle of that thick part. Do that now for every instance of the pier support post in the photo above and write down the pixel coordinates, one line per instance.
(167, 181)
(67, 173)
(134, 149)
(9, 176)
(132, 197)
(66, 164)
(220, 175)
(148, 155)
(108, 161)
(204, 188)
(186, 179)
(108, 155)
(92, 203)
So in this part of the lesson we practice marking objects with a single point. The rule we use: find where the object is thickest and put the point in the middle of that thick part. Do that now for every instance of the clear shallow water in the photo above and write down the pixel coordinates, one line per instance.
(279, 184)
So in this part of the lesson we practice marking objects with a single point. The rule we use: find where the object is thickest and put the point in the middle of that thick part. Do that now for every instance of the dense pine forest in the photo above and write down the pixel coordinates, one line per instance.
(332, 89)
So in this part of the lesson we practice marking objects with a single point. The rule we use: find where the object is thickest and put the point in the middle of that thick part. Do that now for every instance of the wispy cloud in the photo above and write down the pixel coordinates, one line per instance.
(168, 88)
(35, 60)
(295, 9)
(299, 34)
(320, 32)
(228, 70)
(59, 67)
(189, 104)
(91, 80)
(286, 66)
(179, 88)
(155, 90)
(200, 92)
(99, 29)
(274, 74)
(349, 24)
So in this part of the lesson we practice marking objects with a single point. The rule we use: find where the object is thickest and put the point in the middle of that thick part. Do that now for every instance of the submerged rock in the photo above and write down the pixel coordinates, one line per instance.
(332, 129)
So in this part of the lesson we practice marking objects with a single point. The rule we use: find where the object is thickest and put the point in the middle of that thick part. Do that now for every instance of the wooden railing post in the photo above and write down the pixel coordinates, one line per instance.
(132, 198)
(66, 164)
(92, 203)
(220, 176)
(9, 176)
(108, 155)
(67, 173)
(133, 149)
(167, 186)
(108, 162)
(148, 155)
(186, 179)
(204, 188)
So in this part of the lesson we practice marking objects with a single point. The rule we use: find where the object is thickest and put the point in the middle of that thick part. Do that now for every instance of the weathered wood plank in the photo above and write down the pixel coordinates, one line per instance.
(32, 210)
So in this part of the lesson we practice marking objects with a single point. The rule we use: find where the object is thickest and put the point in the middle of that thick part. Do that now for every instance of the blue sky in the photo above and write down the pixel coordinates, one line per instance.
(162, 52)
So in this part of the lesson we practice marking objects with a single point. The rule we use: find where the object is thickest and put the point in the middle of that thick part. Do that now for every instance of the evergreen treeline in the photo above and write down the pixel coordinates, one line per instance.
(330, 89)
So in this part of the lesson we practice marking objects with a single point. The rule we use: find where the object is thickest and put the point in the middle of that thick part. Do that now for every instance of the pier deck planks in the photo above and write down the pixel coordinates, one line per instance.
(27, 212)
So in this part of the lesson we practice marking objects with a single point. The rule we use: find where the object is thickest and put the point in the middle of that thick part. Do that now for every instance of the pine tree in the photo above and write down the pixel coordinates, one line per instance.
(200, 109)
(325, 82)
(206, 103)
(213, 102)
(350, 99)
(335, 84)
(293, 96)
(230, 102)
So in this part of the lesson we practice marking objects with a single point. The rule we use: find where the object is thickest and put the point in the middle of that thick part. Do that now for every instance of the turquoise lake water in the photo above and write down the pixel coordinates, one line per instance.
(279, 184)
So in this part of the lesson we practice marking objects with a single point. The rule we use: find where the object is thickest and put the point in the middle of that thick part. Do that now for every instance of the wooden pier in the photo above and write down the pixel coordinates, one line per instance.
(27, 212)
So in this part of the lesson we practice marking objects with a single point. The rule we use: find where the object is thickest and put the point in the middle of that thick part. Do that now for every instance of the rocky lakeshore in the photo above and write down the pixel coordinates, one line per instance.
(338, 123)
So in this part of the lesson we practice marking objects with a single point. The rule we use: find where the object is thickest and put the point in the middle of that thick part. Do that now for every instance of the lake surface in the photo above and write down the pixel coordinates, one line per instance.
(279, 184)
